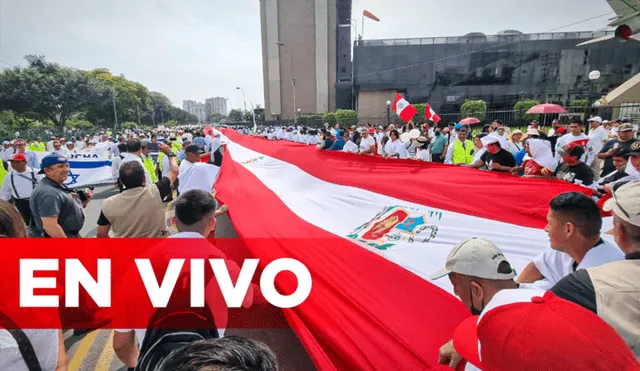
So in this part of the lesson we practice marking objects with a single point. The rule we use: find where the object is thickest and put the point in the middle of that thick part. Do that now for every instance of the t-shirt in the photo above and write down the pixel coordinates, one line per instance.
(579, 174)
(502, 157)
(350, 147)
(396, 147)
(367, 143)
(50, 199)
(598, 138)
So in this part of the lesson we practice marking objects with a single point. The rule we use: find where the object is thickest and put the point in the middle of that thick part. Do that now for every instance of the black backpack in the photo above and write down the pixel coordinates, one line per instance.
(173, 327)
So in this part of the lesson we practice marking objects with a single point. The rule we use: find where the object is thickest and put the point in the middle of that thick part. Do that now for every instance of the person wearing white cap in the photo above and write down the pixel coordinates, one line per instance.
(478, 270)
(599, 137)
(7, 151)
(613, 290)
(496, 158)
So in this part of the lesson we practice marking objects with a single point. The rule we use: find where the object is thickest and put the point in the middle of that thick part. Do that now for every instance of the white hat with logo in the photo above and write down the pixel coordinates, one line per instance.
(477, 257)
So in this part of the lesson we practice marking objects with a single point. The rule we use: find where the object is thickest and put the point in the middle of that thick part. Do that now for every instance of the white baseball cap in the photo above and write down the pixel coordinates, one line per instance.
(625, 203)
(479, 258)
(597, 119)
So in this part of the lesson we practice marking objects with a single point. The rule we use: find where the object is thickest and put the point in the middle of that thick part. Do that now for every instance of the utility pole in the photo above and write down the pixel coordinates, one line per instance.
(115, 112)
(138, 109)
(162, 114)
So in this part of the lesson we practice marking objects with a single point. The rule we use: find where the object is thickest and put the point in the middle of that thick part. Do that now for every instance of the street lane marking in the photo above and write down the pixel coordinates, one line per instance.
(81, 351)
(106, 357)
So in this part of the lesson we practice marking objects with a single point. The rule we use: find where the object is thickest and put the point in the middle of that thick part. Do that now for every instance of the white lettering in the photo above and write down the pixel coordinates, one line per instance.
(28, 283)
(267, 283)
(76, 275)
(234, 296)
(159, 294)
(197, 283)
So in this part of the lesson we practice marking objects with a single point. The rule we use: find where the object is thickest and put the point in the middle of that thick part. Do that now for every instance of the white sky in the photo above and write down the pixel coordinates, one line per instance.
(195, 49)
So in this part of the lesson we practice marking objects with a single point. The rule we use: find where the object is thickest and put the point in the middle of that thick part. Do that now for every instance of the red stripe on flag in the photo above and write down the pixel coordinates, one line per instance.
(364, 312)
(485, 194)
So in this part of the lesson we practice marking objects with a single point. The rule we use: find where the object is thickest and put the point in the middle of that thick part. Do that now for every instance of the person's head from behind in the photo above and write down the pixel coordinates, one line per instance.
(132, 175)
(11, 223)
(625, 204)
(572, 220)
(576, 127)
(144, 145)
(195, 212)
(229, 353)
(134, 146)
(620, 158)
(477, 269)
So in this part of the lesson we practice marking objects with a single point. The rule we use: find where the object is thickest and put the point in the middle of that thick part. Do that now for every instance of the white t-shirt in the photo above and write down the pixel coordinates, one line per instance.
(424, 155)
(598, 138)
(45, 345)
(396, 147)
(582, 140)
(555, 265)
(23, 182)
(367, 143)
(350, 147)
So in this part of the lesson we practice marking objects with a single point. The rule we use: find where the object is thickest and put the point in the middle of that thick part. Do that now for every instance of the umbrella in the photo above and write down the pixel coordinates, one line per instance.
(470, 121)
(547, 108)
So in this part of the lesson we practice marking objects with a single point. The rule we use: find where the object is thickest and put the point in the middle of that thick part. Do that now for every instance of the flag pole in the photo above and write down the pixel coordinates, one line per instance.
(362, 25)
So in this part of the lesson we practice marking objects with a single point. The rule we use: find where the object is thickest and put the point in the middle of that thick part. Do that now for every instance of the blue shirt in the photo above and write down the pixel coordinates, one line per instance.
(439, 144)
(338, 145)
(199, 141)
(32, 160)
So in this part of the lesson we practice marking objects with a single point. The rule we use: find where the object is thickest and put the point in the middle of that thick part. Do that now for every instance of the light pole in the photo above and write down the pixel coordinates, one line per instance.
(593, 77)
(388, 112)
(244, 99)
(293, 77)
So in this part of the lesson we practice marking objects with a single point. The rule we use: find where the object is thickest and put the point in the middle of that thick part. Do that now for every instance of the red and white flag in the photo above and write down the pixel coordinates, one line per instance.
(430, 114)
(403, 108)
(370, 245)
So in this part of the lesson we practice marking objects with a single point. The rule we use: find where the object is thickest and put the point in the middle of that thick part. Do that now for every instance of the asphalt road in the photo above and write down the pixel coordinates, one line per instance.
(94, 351)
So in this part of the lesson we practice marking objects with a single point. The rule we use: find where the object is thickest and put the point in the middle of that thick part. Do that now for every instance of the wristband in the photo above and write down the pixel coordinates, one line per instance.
(171, 154)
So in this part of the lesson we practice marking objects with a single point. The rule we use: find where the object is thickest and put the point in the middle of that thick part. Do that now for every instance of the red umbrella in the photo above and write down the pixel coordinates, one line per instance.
(547, 108)
(470, 121)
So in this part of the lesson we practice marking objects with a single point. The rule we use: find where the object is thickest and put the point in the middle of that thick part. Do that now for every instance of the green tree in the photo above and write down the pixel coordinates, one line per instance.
(330, 117)
(171, 123)
(47, 91)
(419, 118)
(346, 117)
(216, 117)
(248, 116)
(521, 108)
(129, 125)
(474, 108)
(79, 122)
(579, 103)
(235, 115)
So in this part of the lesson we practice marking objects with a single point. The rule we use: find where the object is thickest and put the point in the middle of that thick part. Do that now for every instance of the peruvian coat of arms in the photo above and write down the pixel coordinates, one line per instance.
(396, 224)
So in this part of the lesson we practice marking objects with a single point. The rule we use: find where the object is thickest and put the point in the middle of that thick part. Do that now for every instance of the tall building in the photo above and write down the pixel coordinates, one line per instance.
(216, 105)
(499, 69)
(300, 53)
(195, 108)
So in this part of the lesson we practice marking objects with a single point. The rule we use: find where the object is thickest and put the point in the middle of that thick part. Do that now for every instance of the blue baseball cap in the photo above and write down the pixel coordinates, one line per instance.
(50, 160)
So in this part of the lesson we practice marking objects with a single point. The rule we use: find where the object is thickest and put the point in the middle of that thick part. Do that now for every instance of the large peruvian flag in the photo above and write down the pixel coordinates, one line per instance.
(372, 241)
(403, 108)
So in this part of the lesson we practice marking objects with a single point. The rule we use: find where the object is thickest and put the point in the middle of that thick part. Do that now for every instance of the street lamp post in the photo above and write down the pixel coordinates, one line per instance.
(293, 77)
(244, 99)
(297, 115)
(388, 112)
(593, 77)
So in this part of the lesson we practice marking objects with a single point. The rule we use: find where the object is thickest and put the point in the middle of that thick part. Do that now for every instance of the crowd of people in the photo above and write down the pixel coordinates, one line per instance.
(598, 160)
(581, 286)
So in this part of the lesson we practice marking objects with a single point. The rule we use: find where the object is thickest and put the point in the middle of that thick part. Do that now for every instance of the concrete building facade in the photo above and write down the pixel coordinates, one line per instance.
(299, 54)
(195, 108)
(216, 105)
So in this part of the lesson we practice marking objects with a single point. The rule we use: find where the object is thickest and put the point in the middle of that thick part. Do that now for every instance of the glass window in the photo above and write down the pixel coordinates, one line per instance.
(546, 36)
(427, 41)
(440, 40)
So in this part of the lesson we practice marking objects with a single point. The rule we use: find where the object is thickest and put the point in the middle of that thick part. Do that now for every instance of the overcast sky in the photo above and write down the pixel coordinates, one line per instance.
(195, 49)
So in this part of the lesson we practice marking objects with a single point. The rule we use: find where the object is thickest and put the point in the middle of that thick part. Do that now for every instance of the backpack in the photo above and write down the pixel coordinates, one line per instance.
(173, 327)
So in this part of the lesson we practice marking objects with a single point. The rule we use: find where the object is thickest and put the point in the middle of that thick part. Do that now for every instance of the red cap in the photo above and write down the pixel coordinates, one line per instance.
(18, 157)
(545, 333)
(372, 130)
(561, 130)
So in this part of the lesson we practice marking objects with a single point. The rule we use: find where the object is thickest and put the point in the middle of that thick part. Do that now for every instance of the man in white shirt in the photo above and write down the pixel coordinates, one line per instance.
(50, 144)
(573, 226)
(575, 137)
(395, 147)
(599, 137)
(367, 142)
(134, 150)
(193, 155)
(57, 149)
(349, 146)
(18, 185)
(7, 151)
(195, 219)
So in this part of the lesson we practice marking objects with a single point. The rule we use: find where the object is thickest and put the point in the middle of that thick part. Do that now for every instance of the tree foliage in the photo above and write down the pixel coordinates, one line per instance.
(235, 115)
(330, 117)
(520, 109)
(216, 117)
(47, 91)
(419, 117)
(346, 117)
(474, 108)
(579, 103)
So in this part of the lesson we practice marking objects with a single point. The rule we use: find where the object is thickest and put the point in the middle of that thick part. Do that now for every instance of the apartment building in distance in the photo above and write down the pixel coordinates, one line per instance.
(216, 105)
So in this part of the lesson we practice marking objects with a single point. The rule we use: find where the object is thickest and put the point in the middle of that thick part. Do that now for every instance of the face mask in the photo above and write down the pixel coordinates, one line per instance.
(474, 311)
